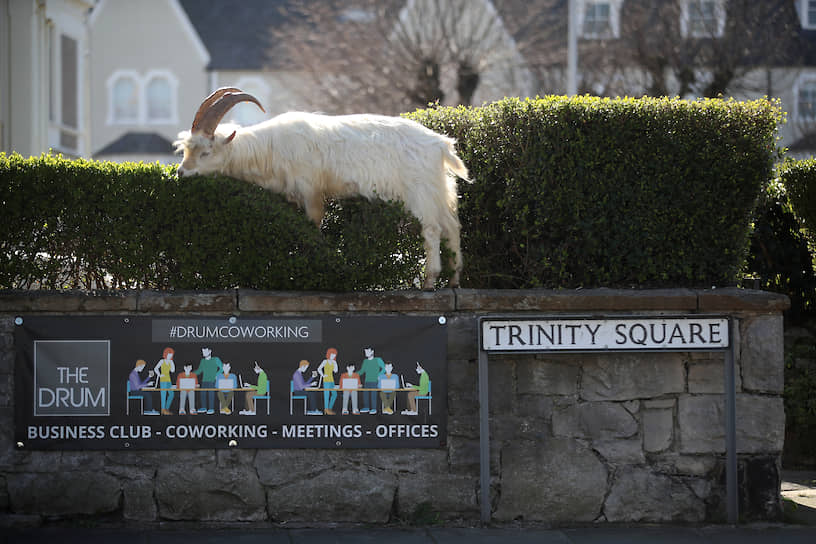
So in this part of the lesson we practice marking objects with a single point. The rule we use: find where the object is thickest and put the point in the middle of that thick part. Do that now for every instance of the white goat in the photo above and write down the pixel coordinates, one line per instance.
(311, 157)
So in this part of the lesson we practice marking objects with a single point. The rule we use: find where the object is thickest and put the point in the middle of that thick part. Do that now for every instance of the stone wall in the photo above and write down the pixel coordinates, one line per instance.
(574, 438)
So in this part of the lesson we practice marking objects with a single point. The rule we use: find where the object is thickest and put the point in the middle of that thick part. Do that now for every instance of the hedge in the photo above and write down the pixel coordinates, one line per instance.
(85, 224)
(587, 192)
(566, 192)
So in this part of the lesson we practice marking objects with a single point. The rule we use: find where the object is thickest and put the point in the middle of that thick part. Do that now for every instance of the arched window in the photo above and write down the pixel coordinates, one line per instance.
(160, 101)
(135, 98)
(124, 99)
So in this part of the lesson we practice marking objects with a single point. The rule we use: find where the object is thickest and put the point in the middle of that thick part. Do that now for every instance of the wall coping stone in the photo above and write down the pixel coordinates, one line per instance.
(444, 300)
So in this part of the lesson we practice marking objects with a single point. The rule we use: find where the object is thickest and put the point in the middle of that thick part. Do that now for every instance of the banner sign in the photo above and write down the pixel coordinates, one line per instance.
(105, 382)
(606, 334)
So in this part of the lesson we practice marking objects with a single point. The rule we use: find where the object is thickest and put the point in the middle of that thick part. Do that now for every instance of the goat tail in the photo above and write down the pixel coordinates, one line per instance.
(453, 163)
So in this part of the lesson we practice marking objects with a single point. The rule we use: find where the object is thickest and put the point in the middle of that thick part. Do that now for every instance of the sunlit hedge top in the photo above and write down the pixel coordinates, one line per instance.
(566, 192)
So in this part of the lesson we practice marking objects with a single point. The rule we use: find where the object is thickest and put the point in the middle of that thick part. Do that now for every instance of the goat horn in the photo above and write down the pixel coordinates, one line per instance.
(215, 106)
(202, 109)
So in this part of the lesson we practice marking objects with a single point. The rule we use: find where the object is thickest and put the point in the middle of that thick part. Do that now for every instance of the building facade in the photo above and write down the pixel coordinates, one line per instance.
(118, 80)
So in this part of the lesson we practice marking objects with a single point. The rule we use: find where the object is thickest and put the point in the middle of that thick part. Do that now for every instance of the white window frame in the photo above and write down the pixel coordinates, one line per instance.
(685, 19)
(142, 81)
(112, 118)
(614, 19)
(804, 80)
(172, 80)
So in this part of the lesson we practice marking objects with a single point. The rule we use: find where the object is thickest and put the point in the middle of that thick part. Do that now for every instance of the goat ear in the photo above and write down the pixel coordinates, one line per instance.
(230, 137)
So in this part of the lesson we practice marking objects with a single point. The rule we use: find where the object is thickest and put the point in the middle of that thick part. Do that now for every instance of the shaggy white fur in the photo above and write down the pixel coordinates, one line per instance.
(311, 157)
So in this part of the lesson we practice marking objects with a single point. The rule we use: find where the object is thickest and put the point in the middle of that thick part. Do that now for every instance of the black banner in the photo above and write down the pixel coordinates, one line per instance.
(94, 382)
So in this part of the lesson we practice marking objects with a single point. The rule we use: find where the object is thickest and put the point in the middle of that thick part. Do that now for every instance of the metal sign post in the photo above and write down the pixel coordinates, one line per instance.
(560, 334)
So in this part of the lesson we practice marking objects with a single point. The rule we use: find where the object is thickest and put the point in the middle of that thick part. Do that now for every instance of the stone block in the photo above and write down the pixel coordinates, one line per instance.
(64, 493)
(442, 301)
(138, 503)
(354, 495)
(639, 495)
(557, 480)
(700, 424)
(708, 377)
(464, 455)
(602, 299)
(628, 451)
(595, 421)
(4, 496)
(447, 496)
(733, 299)
(547, 377)
(762, 356)
(463, 337)
(627, 376)
(193, 301)
(209, 493)
(502, 386)
(658, 429)
(760, 424)
(759, 489)
(429, 462)
(462, 403)
(535, 406)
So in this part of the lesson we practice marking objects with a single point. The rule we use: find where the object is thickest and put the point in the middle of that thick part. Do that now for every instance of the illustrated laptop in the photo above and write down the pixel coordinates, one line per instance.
(225, 383)
(187, 383)
(389, 383)
(349, 383)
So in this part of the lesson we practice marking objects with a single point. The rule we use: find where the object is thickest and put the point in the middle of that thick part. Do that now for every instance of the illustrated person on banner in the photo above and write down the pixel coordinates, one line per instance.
(137, 384)
(299, 385)
(350, 383)
(370, 371)
(186, 383)
(388, 383)
(207, 370)
(163, 369)
(420, 390)
(259, 390)
(226, 382)
(327, 370)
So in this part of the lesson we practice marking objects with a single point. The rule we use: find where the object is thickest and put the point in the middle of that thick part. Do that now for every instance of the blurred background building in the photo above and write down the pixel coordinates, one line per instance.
(117, 80)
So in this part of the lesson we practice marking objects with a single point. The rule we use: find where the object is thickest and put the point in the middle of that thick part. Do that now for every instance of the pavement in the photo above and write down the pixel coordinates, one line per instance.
(753, 534)
(798, 493)
(799, 496)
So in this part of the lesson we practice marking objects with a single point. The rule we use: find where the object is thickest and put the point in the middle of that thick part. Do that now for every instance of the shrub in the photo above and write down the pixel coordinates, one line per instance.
(800, 409)
(575, 192)
(84, 224)
(799, 177)
(780, 258)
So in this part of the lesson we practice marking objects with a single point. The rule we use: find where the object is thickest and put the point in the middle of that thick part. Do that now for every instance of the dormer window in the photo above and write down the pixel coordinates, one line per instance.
(599, 19)
(703, 18)
(136, 99)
